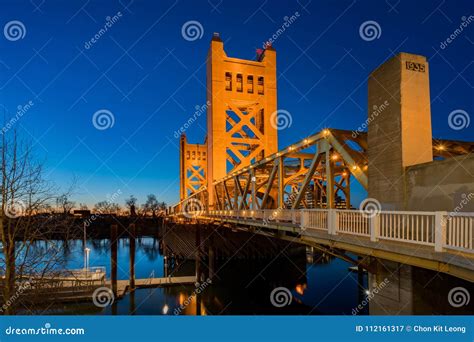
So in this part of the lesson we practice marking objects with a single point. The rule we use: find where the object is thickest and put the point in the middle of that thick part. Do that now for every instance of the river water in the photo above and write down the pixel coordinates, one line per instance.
(248, 267)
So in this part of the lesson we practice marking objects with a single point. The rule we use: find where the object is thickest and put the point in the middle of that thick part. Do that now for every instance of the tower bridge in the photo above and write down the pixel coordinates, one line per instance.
(420, 205)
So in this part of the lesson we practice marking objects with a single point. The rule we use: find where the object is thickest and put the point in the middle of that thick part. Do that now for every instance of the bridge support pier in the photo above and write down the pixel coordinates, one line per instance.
(391, 289)
(113, 256)
(132, 238)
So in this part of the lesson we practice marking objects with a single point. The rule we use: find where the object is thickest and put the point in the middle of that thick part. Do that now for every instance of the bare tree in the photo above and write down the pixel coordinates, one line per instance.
(131, 204)
(106, 207)
(25, 194)
(65, 204)
(151, 205)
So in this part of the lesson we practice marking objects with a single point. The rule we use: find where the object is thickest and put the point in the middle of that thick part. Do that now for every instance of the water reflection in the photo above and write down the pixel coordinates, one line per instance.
(240, 270)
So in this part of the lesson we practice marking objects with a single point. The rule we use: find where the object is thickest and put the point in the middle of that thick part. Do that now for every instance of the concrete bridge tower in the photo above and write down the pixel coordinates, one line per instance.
(242, 95)
(399, 130)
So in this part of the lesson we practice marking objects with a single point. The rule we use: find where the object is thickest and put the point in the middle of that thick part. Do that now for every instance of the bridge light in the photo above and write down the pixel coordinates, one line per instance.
(344, 174)
(326, 132)
(305, 141)
(334, 157)
(440, 147)
(354, 167)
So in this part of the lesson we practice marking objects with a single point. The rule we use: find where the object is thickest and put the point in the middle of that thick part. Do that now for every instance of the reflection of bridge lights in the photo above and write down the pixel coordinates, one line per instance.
(165, 309)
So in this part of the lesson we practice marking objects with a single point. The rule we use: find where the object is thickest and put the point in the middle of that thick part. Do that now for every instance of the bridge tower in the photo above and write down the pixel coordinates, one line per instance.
(242, 96)
(399, 135)
(192, 167)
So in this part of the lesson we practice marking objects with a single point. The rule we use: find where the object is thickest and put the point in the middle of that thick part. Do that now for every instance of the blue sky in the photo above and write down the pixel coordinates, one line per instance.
(150, 78)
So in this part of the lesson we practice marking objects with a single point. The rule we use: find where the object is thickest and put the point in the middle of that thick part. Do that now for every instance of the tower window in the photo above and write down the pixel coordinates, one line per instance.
(250, 84)
(228, 81)
(260, 86)
(239, 83)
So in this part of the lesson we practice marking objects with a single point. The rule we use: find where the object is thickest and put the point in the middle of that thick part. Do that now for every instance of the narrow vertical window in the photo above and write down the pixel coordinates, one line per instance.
(250, 84)
(228, 81)
(260, 86)
(239, 83)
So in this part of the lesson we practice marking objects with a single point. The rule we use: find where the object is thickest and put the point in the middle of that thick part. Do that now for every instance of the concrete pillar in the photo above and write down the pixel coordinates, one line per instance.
(391, 289)
(132, 238)
(399, 126)
(113, 257)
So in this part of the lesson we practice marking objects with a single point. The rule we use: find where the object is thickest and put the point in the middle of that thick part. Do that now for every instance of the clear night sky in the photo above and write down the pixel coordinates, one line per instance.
(151, 78)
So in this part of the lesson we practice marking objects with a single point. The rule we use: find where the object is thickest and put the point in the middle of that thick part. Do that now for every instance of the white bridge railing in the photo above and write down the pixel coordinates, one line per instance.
(442, 230)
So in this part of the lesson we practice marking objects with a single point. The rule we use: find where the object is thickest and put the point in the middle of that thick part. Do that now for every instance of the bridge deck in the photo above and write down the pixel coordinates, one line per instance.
(434, 240)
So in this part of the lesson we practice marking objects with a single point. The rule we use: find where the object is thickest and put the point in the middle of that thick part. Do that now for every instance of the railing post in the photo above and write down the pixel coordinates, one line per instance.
(332, 222)
(440, 231)
(303, 219)
(374, 227)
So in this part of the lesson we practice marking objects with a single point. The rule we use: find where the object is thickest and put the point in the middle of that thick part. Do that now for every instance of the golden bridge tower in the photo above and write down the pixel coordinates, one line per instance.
(242, 95)
(192, 167)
